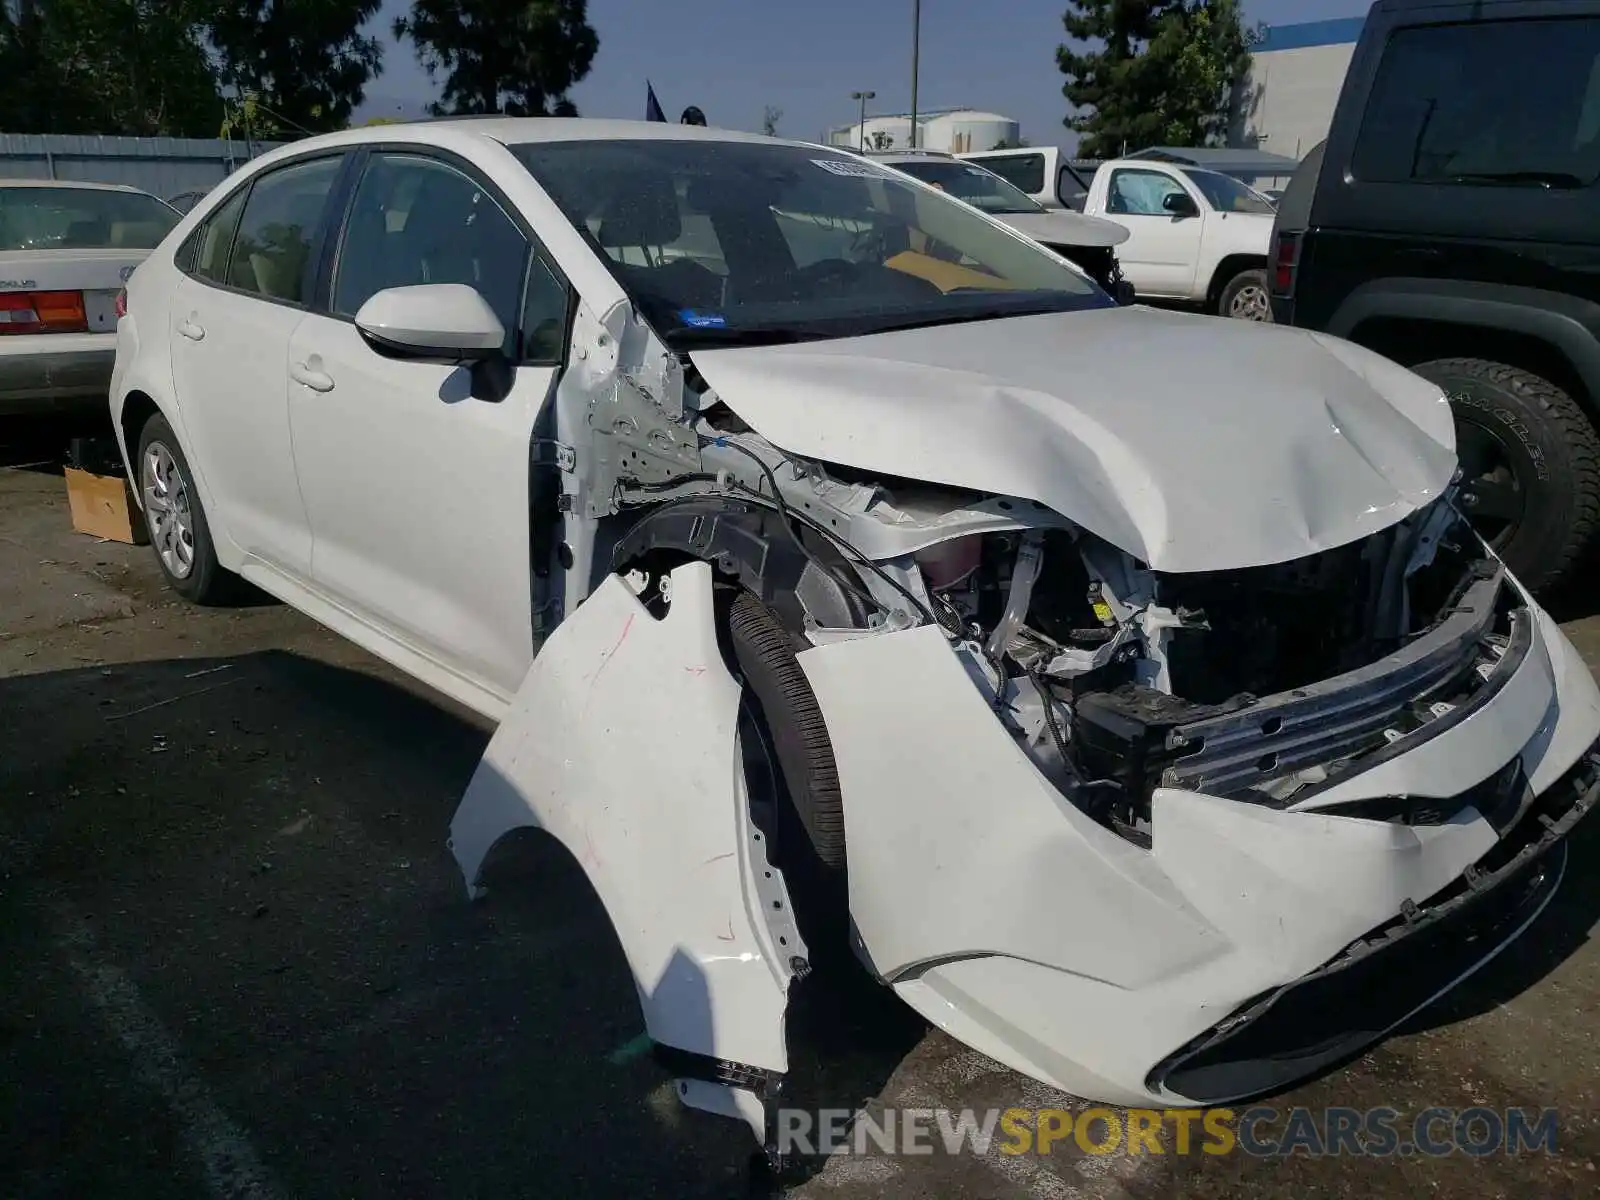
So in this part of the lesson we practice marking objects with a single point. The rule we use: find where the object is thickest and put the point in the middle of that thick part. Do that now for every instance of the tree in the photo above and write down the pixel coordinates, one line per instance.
(770, 117)
(519, 57)
(1150, 72)
(1017, 143)
(305, 62)
(132, 67)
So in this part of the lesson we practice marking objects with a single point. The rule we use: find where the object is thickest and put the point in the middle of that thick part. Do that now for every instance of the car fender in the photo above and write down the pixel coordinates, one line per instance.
(143, 366)
(622, 743)
(1228, 235)
(1569, 324)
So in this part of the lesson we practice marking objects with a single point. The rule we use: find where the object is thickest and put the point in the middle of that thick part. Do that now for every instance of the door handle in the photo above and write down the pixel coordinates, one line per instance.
(317, 381)
(191, 330)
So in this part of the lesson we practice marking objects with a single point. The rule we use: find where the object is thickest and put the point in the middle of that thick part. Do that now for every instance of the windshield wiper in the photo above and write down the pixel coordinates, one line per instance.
(1549, 179)
(708, 337)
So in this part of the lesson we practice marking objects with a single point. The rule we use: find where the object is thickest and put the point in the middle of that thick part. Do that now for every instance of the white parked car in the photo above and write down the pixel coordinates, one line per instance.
(66, 249)
(1159, 723)
(1088, 241)
(1197, 237)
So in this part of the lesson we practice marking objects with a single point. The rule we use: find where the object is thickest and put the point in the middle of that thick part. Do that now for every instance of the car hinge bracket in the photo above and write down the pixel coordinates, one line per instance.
(635, 414)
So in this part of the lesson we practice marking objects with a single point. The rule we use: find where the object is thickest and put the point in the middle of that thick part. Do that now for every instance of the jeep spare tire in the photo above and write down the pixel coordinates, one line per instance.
(1530, 462)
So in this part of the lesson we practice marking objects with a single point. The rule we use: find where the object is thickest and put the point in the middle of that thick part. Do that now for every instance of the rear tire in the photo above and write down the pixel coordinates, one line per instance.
(1245, 298)
(1530, 459)
(179, 533)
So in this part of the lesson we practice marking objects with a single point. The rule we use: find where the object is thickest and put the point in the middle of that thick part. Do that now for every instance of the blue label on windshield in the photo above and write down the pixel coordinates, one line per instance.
(702, 320)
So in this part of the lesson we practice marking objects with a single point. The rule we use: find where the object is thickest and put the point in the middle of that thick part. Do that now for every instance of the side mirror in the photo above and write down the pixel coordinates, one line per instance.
(1180, 204)
(1122, 292)
(449, 321)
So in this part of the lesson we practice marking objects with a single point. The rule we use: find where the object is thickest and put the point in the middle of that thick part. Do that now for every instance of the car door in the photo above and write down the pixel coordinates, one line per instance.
(248, 273)
(1163, 249)
(417, 492)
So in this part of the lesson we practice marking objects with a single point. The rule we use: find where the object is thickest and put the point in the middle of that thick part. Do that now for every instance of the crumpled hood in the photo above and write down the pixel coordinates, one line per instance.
(1193, 443)
(1066, 228)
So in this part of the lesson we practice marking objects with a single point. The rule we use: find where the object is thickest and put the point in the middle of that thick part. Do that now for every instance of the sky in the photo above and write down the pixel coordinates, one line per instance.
(735, 57)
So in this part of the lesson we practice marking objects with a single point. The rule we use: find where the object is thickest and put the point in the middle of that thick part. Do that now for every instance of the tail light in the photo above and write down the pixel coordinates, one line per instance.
(42, 312)
(1285, 264)
(122, 303)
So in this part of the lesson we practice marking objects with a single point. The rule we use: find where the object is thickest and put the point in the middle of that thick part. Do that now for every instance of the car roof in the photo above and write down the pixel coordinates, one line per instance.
(80, 184)
(512, 131)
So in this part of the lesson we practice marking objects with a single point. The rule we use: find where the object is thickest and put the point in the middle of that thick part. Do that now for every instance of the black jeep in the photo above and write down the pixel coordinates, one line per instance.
(1452, 221)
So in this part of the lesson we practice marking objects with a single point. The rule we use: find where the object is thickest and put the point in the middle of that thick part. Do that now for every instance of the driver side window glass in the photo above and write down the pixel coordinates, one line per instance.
(1141, 193)
(418, 220)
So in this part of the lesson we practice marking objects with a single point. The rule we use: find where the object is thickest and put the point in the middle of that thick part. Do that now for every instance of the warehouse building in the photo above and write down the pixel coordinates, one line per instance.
(1296, 72)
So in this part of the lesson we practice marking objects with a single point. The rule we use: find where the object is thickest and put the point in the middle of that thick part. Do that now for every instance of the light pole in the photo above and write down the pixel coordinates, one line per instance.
(916, 53)
(861, 129)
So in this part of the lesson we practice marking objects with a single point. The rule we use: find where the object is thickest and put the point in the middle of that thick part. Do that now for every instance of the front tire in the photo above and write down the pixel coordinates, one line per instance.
(1245, 298)
(766, 659)
(179, 533)
(1530, 462)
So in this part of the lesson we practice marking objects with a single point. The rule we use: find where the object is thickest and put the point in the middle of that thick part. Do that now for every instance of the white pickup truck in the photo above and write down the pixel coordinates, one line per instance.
(1196, 236)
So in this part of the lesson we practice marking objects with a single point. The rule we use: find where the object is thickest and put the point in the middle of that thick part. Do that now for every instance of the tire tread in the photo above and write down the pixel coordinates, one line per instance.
(1571, 426)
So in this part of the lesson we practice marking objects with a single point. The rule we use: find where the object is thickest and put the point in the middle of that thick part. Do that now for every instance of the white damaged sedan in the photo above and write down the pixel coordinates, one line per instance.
(1123, 687)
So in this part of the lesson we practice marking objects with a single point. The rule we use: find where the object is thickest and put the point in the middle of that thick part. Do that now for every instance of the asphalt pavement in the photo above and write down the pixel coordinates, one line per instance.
(236, 958)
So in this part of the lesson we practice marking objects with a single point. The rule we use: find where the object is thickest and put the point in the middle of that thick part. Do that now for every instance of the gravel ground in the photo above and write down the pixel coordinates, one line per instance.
(236, 959)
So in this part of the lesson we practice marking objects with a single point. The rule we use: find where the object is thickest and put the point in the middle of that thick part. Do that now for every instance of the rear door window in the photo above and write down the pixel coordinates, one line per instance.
(272, 254)
(214, 238)
(1504, 102)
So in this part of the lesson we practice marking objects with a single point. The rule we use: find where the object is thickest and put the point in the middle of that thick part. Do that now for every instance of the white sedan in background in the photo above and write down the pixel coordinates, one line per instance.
(862, 576)
(66, 249)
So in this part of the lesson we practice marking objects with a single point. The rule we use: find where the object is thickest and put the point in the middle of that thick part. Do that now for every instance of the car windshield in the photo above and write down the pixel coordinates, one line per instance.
(67, 218)
(723, 242)
(1226, 194)
(979, 188)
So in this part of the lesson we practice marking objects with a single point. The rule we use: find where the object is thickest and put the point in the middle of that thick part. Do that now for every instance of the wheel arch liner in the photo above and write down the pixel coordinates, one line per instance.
(1568, 324)
(622, 743)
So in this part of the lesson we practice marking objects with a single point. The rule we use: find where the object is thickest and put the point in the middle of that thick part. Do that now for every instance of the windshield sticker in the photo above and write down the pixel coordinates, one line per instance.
(700, 320)
(856, 170)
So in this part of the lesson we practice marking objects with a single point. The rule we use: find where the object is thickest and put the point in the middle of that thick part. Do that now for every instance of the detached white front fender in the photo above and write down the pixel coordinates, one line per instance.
(623, 743)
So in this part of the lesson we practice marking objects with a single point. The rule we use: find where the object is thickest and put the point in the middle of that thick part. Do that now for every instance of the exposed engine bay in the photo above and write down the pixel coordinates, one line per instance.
(974, 623)
(1266, 684)
(1100, 262)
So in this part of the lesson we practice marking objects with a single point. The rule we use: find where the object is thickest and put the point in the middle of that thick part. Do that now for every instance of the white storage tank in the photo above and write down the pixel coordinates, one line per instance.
(879, 133)
(966, 130)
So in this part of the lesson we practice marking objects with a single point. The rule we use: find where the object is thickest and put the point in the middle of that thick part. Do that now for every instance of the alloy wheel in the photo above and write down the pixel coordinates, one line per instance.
(1491, 494)
(166, 509)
